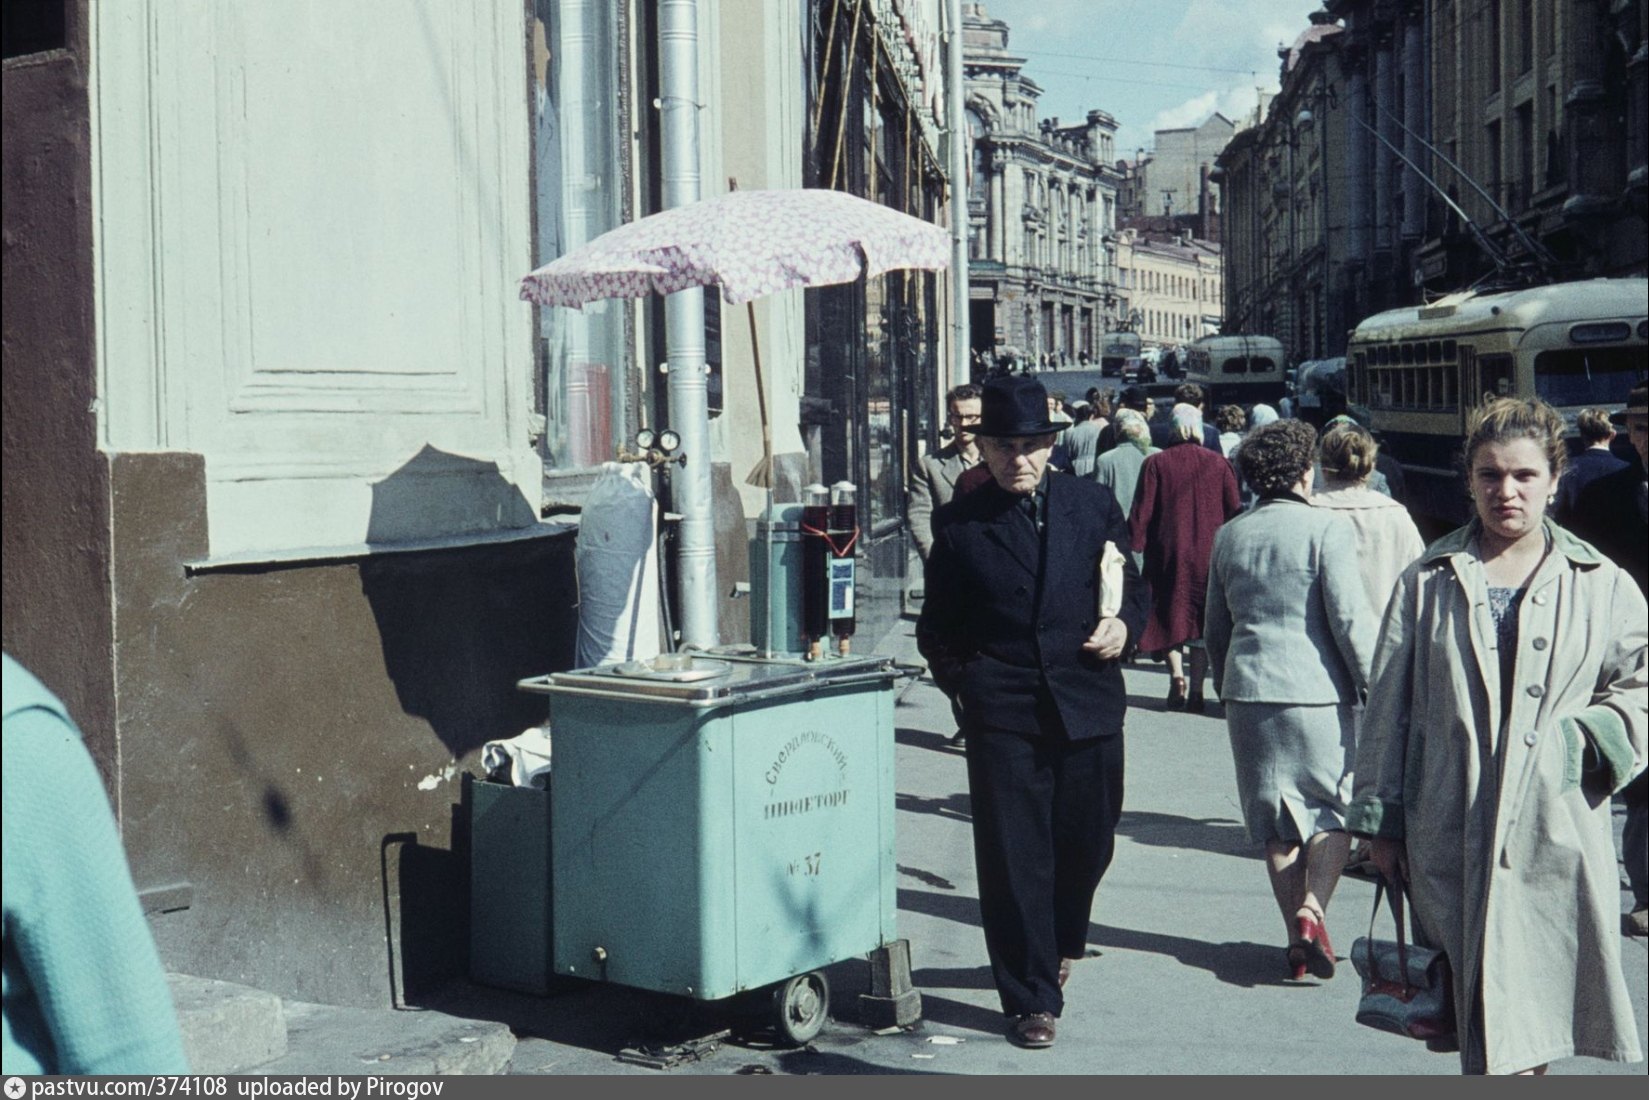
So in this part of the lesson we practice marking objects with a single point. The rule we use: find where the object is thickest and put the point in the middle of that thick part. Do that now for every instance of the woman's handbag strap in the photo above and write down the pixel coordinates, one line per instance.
(1382, 887)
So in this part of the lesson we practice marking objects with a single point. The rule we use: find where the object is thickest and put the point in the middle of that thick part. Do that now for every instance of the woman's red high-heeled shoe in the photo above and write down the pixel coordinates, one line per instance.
(1311, 938)
(1296, 962)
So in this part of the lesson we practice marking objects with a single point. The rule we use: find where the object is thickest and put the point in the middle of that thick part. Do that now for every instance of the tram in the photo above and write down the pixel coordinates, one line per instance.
(1420, 370)
(1237, 370)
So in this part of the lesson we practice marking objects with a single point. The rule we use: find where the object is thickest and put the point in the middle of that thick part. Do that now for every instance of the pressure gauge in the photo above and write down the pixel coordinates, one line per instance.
(644, 439)
(669, 441)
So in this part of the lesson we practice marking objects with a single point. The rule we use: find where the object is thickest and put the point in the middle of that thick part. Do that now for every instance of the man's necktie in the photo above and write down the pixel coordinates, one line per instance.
(1027, 507)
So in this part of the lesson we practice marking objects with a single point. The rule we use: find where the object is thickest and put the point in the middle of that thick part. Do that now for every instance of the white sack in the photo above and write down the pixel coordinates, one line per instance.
(617, 557)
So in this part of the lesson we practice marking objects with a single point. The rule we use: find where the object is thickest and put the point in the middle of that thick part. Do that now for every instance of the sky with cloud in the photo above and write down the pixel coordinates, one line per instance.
(1152, 64)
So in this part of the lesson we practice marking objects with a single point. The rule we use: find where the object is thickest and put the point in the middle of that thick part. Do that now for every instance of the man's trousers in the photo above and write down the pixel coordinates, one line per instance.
(1045, 812)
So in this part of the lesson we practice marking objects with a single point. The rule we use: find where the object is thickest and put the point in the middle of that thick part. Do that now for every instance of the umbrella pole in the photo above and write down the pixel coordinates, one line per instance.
(762, 475)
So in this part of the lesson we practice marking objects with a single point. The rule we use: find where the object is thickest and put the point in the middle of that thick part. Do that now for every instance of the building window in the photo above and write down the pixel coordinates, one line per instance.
(869, 343)
(1497, 180)
(1525, 36)
(578, 128)
(1525, 153)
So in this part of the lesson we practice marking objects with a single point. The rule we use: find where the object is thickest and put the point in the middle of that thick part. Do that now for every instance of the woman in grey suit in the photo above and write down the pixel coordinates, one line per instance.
(1290, 636)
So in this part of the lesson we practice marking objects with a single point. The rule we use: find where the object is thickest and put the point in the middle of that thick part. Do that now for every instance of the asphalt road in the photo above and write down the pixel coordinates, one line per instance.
(1185, 974)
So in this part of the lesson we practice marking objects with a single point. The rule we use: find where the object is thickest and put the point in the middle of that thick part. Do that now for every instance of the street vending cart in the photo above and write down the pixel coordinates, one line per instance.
(723, 825)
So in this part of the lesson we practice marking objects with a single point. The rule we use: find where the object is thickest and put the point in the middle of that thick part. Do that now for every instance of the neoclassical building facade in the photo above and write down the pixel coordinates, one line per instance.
(1042, 203)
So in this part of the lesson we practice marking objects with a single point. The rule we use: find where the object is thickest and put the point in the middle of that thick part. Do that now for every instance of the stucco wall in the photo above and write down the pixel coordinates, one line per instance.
(294, 740)
(55, 497)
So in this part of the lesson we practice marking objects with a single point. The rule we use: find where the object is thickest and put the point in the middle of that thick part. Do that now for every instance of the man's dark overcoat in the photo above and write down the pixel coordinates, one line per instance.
(1010, 654)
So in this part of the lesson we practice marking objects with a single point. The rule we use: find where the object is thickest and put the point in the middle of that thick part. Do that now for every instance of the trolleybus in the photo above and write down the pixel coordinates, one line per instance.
(1236, 370)
(1115, 349)
(1420, 370)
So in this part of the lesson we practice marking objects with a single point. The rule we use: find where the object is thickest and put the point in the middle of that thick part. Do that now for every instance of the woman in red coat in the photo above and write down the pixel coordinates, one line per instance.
(1186, 491)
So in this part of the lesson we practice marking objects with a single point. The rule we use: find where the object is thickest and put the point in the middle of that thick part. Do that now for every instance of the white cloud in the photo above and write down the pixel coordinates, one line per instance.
(1238, 34)
(1234, 103)
(1190, 113)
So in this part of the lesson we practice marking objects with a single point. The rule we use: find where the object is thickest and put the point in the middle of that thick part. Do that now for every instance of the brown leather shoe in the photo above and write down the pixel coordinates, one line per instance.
(1034, 1030)
(1065, 971)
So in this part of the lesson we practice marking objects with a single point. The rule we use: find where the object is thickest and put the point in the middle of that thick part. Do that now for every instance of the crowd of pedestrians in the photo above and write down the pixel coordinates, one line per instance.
(1462, 711)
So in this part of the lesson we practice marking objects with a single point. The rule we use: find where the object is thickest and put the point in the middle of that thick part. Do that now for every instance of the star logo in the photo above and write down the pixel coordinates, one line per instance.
(15, 1088)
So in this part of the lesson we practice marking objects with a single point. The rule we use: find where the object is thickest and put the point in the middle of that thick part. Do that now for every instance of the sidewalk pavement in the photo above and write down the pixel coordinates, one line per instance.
(1185, 972)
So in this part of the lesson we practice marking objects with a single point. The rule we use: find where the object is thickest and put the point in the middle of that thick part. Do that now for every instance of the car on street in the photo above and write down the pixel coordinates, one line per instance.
(1136, 370)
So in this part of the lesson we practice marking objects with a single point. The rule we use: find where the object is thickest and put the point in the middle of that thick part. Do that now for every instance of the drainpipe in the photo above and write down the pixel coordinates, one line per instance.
(684, 330)
(959, 341)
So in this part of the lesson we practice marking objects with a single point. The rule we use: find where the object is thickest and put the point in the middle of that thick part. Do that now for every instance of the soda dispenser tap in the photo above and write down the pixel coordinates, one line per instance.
(816, 558)
(844, 536)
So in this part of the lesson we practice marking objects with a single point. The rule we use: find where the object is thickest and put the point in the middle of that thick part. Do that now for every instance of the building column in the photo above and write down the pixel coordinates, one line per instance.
(1357, 167)
(1385, 94)
(1587, 135)
(1414, 112)
(994, 244)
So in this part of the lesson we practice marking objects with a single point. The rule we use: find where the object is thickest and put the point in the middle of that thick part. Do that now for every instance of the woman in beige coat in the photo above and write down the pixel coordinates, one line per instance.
(1508, 702)
(1387, 540)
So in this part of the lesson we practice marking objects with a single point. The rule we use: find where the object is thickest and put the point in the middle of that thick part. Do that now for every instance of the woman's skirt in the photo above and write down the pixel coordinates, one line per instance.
(1293, 767)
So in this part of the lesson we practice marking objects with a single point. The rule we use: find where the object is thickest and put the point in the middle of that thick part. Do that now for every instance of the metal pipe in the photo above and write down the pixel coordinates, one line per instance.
(684, 329)
(954, 107)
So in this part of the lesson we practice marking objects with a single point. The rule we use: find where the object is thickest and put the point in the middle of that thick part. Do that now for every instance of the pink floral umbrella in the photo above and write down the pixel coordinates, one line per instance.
(751, 243)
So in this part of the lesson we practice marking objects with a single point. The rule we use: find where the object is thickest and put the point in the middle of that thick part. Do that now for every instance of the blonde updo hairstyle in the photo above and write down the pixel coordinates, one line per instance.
(1347, 453)
(1506, 419)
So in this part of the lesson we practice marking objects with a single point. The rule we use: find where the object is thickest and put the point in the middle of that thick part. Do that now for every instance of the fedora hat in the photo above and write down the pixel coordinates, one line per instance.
(1016, 405)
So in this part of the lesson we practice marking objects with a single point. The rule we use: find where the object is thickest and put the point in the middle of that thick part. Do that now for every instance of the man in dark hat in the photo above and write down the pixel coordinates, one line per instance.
(1011, 624)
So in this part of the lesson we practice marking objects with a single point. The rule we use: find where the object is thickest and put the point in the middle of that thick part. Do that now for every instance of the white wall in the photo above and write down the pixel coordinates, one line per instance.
(311, 218)
(757, 96)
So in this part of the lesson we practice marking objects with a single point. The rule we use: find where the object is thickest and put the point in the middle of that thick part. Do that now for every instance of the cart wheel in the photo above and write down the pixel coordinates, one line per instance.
(800, 1006)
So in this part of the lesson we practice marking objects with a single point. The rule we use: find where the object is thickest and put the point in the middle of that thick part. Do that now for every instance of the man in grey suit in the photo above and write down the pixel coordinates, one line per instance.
(935, 484)
(935, 480)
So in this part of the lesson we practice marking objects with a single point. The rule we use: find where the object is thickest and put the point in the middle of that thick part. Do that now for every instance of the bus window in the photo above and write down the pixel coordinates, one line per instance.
(1595, 376)
(1448, 351)
(1495, 372)
(1237, 365)
(1261, 365)
(1435, 351)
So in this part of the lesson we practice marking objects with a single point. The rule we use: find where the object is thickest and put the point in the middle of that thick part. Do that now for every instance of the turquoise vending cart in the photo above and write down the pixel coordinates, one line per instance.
(723, 825)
